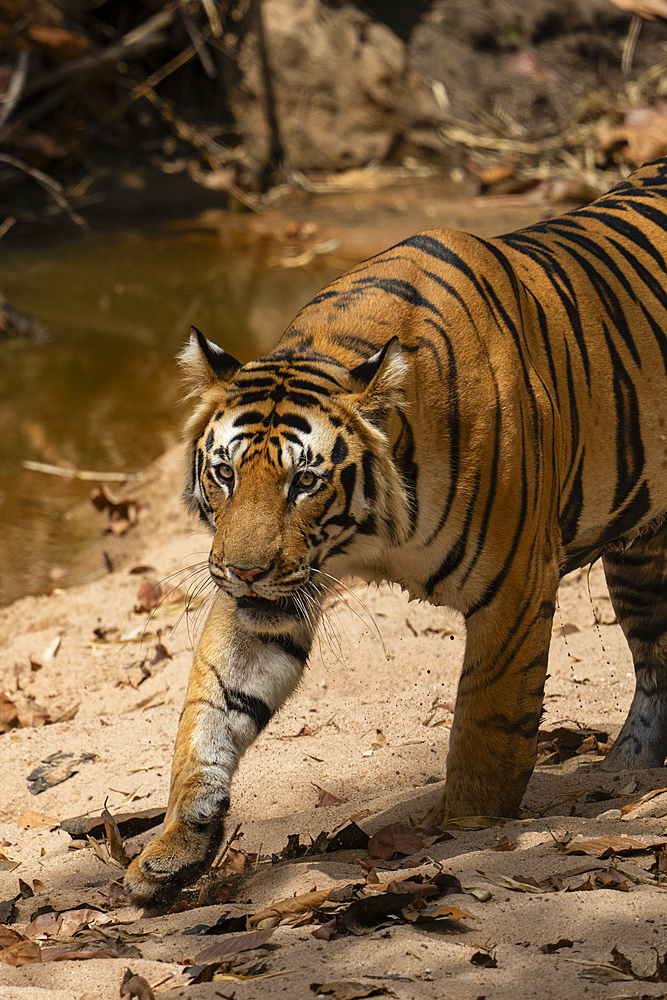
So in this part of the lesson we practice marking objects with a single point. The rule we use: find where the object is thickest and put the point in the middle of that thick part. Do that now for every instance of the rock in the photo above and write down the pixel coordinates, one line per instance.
(328, 120)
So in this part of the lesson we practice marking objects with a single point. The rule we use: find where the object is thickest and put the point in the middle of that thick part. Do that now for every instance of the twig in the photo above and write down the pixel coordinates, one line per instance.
(215, 154)
(142, 39)
(15, 88)
(53, 187)
(459, 133)
(199, 43)
(630, 43)
(218, 861)
(213, 18)
(6, 225)
(85, 474)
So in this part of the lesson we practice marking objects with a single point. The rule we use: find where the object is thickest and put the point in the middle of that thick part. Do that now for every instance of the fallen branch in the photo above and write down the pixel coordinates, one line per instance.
(135, 43)
(85, 474)
(52, 187)
(15, 88)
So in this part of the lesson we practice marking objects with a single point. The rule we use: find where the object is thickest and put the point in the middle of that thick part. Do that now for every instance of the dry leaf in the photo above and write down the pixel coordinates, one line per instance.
(395, 838)
(484, 959)
(232, 946)
(47, 656)
(504, 845)
(551, 949)
(350, 989)
(102, 852)
(645, 798)
(505, 882)
(23, 952)
(55, 768)
(435, 911)
(135, 986)
(611, 879)
(604, 847)
(325, 799)
(114, 839)
(61, 43)
(65, 924)
(641, 137)
(30, 819)
(8, 864)
(286, 907)
(9, 714)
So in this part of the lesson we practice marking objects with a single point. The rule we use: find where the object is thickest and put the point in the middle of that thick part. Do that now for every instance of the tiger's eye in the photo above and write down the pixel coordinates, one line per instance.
(306, 478)
(225, 471)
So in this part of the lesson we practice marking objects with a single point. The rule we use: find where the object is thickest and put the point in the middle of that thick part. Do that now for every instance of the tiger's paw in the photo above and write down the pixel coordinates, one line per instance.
(170, 863)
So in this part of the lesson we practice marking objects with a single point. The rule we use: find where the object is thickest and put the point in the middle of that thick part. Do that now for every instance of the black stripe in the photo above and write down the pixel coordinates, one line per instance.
(629, 447)
(248, 704)
(339, 450)
(287, 644)
(569, 518)
(291, 420)
(455, 555)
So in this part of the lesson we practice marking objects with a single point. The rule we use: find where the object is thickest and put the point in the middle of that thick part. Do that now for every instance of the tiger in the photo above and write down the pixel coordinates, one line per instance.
(470, 419)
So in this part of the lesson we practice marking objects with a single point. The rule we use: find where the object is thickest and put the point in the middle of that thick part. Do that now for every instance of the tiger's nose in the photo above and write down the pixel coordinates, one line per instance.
(247, 574)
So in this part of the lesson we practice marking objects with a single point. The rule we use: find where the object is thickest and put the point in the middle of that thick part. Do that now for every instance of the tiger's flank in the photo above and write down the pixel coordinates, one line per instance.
(470, 419)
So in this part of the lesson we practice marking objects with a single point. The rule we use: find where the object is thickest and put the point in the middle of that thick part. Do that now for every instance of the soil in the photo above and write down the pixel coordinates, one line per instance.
(370, 725)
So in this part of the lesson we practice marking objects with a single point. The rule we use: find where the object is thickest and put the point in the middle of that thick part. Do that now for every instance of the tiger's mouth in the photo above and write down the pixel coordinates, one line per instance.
(262, 608)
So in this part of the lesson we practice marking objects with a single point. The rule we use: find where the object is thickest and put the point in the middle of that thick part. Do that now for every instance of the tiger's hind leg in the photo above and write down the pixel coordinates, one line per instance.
(637, 581)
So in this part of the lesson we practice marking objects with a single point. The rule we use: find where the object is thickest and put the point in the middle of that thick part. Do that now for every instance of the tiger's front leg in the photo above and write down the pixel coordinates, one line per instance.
(239, 678)
(493, 743)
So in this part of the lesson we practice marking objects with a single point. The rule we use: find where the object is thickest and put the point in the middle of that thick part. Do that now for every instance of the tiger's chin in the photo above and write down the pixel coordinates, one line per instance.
(263, 615)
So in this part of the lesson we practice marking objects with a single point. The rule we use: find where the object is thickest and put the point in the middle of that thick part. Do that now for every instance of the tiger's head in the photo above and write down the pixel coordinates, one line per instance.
(290, 467)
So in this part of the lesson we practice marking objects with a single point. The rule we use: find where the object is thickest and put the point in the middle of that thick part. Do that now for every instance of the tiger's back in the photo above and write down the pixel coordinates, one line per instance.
(470, 419)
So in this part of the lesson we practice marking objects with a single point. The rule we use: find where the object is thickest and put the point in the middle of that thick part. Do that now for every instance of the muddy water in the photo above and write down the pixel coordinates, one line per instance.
(103, 393)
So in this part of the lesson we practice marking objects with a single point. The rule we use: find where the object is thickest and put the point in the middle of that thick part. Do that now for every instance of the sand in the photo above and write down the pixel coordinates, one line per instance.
(363, 727)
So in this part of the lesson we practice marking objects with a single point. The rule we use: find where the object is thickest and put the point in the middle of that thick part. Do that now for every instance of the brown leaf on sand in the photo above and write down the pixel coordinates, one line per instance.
(611, 879)
(551, 949)
(232, 945)
(395, 838)
(350, 989)
(114, 839)
(66, 923)
(504, 845)
(287, 907)
(9, 714)
(325, 798)
(135, 986)
(621, 969)
(19, 715)
(152, 593)
(484, 959)
(642, 135)
(22, 952)
(604, 847)
(121, 514)
(30, 819)
(645, 798)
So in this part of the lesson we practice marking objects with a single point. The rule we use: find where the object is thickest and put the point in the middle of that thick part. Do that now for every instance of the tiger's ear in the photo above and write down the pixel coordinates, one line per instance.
(204, 363)
(380, 380)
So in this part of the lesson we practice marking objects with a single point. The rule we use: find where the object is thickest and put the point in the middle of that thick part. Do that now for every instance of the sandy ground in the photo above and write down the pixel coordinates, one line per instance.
(362, 726)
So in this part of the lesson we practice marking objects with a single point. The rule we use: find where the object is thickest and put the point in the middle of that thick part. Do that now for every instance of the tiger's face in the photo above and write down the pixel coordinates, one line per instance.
(289, 472)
